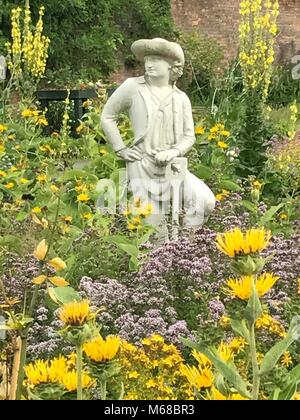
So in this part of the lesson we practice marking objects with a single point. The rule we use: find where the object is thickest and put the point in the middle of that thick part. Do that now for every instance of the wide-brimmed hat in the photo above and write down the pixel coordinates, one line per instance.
(157, 46)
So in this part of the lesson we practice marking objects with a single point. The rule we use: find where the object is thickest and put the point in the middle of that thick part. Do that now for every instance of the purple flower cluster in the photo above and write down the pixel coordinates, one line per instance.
(18, 274)
(44, 339)
(161, 296)
(229, 214)
(175, 292)
(216, 309)
(285, 263)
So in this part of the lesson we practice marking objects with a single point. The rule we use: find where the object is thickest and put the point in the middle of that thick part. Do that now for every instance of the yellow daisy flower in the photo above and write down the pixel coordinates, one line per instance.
(26, 113)
(199, 130)
(199, 378)
(9, 185)
(235, 242)
(3, 128)
(223, 145)
(69, 381)
(102, 350)
(76, 314)
(242, 288)
(83, 197)
(286, 359)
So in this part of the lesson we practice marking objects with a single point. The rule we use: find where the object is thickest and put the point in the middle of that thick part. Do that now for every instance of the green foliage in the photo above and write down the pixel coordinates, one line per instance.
(291, 382)
(252, 136)
(213, 155)
(274, 354)
(203, 56)
(284, 88)
(62, 295)
(90, 39)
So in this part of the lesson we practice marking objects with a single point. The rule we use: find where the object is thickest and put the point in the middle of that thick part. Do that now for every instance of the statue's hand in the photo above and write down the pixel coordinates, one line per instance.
(129, 155)
(163, 158)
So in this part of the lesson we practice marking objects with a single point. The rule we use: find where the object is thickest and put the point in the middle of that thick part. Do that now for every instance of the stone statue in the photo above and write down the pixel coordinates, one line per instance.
(161, 116)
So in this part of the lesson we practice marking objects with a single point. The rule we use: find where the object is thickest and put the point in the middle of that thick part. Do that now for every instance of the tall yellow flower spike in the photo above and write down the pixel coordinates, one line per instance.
(257, 31)
(28, 50)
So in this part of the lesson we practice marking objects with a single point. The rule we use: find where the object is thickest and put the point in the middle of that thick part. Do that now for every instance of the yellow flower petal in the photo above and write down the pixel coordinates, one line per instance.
(39, 280)
(41, 250)
(58, 281)
(58, 264)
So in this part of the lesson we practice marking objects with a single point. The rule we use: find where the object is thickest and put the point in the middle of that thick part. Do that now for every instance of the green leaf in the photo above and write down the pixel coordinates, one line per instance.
(220, 384)
(240, 328)
(254, 309)
(230, 185)
(292, 380)
(203, 172)
(229, 372)
(146, 236)
(62, 295)
(126, 245)
(132, 250)
(118, 239)
(269, 214)
(83, 208)
(21, 216)
(288, 392)
(271, 358)
(12, 242)
(248, 205)
(276, 394)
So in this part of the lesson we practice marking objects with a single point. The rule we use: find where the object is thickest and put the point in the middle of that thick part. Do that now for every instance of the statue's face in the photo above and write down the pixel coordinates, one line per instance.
(156, 66)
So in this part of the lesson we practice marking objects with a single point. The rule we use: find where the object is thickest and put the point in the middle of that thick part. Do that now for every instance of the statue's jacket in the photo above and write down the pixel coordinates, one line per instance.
(133, 97)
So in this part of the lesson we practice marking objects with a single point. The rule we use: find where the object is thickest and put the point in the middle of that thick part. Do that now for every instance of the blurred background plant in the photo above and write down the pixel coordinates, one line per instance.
(258, 30)
(27, 51)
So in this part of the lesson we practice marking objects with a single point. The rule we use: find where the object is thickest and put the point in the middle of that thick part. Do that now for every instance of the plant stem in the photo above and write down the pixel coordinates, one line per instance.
(255, 367)
(15, 369)
(24, 333)
(103, 390)
(79, 371)
(21, 365)
(24, 339)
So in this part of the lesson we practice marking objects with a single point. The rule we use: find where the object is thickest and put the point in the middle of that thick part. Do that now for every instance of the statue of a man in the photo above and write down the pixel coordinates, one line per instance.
(161, 116)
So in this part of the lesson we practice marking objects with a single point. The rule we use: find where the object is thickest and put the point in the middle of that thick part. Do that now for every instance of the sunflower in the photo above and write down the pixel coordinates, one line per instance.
(100, 350)
(202, 360)
(37, 372)
(215, 395)
(235, 242)
(225, 352)
(242, 288)
(199, 378)
(76, 313)
(69, 380)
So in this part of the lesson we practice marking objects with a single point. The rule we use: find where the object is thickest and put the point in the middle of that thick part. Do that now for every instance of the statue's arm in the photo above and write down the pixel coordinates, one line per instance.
(185, 145)
(119, 102)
